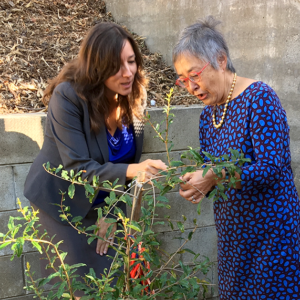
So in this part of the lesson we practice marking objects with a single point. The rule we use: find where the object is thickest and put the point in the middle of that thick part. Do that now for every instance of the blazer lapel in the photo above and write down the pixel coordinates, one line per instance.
(102, 143)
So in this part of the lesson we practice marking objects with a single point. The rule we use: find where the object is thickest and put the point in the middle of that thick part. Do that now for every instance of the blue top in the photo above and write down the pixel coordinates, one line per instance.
(258, 226)
(121, 148)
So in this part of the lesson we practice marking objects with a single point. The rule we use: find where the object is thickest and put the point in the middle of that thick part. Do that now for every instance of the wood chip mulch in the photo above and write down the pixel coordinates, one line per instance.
(37, 37)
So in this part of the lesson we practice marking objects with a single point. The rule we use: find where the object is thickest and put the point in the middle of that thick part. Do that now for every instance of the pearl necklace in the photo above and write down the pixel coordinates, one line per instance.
(226, 105)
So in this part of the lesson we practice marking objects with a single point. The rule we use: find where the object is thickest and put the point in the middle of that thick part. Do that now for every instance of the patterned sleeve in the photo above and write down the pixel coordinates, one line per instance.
(269, 133)
(202, 123)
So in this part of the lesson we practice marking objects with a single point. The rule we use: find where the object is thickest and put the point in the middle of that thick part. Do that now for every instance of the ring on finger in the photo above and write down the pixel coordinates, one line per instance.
(110, 238)
(193, 199)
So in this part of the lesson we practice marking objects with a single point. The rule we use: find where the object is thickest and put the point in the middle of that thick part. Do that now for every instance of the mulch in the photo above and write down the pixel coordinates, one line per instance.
(37, 37)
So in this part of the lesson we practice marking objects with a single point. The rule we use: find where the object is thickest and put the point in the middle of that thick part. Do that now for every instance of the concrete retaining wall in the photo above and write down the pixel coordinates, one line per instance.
(262, 36)
(20, 140)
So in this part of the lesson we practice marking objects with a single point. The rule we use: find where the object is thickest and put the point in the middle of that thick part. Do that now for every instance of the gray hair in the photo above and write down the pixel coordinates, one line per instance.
(204, 42)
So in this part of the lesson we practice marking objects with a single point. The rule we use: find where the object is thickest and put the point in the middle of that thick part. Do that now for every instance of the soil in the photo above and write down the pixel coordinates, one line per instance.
(38, 37)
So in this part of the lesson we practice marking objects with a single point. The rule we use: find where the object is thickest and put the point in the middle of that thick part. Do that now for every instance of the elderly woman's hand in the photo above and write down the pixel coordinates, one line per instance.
(195, 186)
(102, 245)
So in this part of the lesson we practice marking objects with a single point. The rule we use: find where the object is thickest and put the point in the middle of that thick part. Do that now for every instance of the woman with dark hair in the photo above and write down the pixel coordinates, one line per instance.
(94, 123)
(258, 226)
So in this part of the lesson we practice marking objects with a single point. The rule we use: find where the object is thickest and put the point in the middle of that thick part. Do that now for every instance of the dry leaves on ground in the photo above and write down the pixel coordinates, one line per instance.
(38, 37)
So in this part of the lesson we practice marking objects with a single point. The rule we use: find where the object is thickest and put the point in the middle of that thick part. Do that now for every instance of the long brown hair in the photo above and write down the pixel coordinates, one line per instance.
(100, 58)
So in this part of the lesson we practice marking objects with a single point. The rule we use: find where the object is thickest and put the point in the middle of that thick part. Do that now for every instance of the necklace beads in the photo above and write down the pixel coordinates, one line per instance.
(226, 105)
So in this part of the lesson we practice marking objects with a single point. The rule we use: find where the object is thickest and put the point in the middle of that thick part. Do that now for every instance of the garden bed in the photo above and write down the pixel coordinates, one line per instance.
(39, 36)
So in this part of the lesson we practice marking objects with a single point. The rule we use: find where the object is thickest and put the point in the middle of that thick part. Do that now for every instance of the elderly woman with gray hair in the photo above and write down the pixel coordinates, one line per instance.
(258, 226)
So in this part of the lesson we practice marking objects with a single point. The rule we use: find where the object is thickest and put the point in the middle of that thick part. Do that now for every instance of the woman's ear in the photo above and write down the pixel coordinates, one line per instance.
(222, 61)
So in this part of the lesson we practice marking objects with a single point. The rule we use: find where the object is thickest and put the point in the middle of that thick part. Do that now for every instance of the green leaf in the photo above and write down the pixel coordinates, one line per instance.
(47, 166)
(205, 170)
(11, 223)
(165, 190)
(159, 223)
(188, 169)
(91, 228)
(180, 226)
(71, 190)
(5, 244)
(223, 195)
(190, 235)
(190, 251)
(134, 227)
(126, 198)
(115, 182)
(221, 187)
(208, 155)
(199, 208)
(37, 246)
(90, 239)
(100, 214)
(196, 156)
(64, 175)
(71, 173)
(162, 198)
(212, 193)
(58, 169)
(95, 180)
(171, 225)
(110, 220)
(171, 146)
(46, 280)
(106, 185)
(76, 219)
(108, 201)
(225, 156)
(134, 223)
(176, 163)
(61, 289)
(112, 195)
(109, 230)
(148, 232)
(88, 189)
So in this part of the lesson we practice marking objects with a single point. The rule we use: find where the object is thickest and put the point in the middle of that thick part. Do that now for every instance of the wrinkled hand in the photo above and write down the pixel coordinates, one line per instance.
(151, 168)
(102, 246)
(195, 187)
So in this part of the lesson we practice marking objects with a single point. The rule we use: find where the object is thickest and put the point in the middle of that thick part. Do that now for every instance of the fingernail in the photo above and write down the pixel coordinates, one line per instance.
(104, 252)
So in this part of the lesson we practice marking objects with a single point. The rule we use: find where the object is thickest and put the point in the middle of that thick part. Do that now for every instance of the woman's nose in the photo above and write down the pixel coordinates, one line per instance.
(126, 71)
(193, 86)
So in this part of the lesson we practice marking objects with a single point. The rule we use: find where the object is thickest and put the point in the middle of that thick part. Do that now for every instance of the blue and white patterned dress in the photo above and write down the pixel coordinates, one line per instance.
(258, 227)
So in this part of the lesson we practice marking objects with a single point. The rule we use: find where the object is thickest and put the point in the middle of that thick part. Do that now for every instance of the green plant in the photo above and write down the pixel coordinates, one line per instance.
(168, 277)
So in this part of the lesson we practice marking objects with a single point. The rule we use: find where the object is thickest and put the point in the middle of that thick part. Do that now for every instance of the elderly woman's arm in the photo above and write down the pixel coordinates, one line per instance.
(269, 134)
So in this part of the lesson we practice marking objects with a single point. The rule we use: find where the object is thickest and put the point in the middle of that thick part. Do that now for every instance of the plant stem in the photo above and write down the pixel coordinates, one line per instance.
(162, 268)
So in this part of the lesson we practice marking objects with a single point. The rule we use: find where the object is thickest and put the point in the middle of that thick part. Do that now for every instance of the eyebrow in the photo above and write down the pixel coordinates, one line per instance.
(131, 56)
(189, 70)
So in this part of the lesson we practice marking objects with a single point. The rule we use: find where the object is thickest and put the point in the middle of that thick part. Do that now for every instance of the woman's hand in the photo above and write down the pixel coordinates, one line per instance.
(102, 246)
(151, 168)
(195, 186)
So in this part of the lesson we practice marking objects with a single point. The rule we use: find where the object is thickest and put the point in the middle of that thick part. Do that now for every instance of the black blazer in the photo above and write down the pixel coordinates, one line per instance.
(70, 142)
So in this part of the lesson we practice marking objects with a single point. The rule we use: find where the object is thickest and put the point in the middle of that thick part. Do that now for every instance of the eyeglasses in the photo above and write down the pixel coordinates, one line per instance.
(193, 77)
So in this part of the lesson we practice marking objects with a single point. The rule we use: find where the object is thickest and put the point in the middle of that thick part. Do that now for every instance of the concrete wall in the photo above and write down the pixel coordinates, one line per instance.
(20, 140)
(263, 38)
